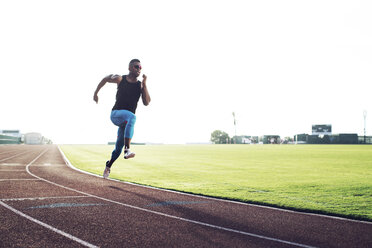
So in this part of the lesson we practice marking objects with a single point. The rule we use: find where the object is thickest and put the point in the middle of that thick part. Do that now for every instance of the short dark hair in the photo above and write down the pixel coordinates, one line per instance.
(133, 61)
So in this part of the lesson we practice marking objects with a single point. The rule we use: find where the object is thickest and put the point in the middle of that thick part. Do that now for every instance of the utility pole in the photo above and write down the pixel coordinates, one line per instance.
(365, 117)
(233, 113)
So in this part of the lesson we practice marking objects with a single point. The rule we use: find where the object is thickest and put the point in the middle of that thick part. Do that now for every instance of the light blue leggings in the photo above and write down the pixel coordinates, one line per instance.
(125, 120)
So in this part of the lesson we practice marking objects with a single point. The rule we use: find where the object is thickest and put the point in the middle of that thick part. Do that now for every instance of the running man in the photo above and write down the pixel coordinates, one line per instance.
(129, 90)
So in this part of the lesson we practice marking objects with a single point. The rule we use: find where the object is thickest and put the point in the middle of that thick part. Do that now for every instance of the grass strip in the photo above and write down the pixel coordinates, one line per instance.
(327, 179)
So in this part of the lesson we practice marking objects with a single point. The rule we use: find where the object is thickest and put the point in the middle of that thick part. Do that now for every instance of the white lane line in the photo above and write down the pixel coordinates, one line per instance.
(67, 205)
(172, 216)
(4, 159)
(19, 179)
(69, 236)
(44, 198)
(11, 164)
(5, 152)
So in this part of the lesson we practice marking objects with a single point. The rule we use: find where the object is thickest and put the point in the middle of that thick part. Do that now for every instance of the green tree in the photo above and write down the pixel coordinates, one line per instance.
(219, 137)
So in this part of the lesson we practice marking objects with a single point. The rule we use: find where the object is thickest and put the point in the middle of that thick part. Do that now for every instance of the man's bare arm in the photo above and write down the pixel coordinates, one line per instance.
(146, 99)
(112, 78)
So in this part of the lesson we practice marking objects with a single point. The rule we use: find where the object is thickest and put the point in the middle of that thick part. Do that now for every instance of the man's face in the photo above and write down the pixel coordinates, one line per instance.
(135, 68)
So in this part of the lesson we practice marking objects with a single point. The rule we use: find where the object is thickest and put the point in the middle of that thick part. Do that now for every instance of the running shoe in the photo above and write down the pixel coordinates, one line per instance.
(106, 172)
(129, 154)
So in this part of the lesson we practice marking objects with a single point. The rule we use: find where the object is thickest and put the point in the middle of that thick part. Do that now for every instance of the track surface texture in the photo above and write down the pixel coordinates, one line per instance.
(46, 203)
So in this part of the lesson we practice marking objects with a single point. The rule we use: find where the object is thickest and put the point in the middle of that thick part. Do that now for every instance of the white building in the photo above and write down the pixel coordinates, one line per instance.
(33, 139)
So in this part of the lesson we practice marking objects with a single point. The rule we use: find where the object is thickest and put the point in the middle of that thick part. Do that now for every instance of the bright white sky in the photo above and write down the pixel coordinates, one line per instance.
(281, 66)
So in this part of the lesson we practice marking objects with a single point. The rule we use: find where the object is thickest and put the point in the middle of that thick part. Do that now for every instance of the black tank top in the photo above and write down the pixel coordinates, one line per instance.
(127, 95)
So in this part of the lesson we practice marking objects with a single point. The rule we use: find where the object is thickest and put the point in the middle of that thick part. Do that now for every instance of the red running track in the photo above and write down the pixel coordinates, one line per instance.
(45, 203)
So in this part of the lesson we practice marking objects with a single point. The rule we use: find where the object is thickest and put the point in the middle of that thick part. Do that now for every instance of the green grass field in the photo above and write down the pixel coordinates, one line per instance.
(329, 179)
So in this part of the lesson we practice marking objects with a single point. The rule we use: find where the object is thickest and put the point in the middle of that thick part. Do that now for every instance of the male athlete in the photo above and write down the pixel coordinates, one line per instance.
(129, 90)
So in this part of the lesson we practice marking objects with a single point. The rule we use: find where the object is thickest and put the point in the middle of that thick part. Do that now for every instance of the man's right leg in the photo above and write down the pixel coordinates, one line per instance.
(116, 153)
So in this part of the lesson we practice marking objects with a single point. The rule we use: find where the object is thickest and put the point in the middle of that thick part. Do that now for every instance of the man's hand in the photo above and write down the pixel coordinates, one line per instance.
(144, 77)
(95, 98)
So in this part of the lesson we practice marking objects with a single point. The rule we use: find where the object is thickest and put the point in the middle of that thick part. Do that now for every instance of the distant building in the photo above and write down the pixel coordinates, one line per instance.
(365, 139)
(300, 138)
(318, 139)
(245, 139)
(5, 139)
(16, 137)
(322, 134)
(10, 137)
(271, 139)
(13, 133)
(33, 139)
(344, 138)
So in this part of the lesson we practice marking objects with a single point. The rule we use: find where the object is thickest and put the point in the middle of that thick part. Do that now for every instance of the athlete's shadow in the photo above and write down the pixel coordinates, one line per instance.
(117, 188)
(187, 212)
